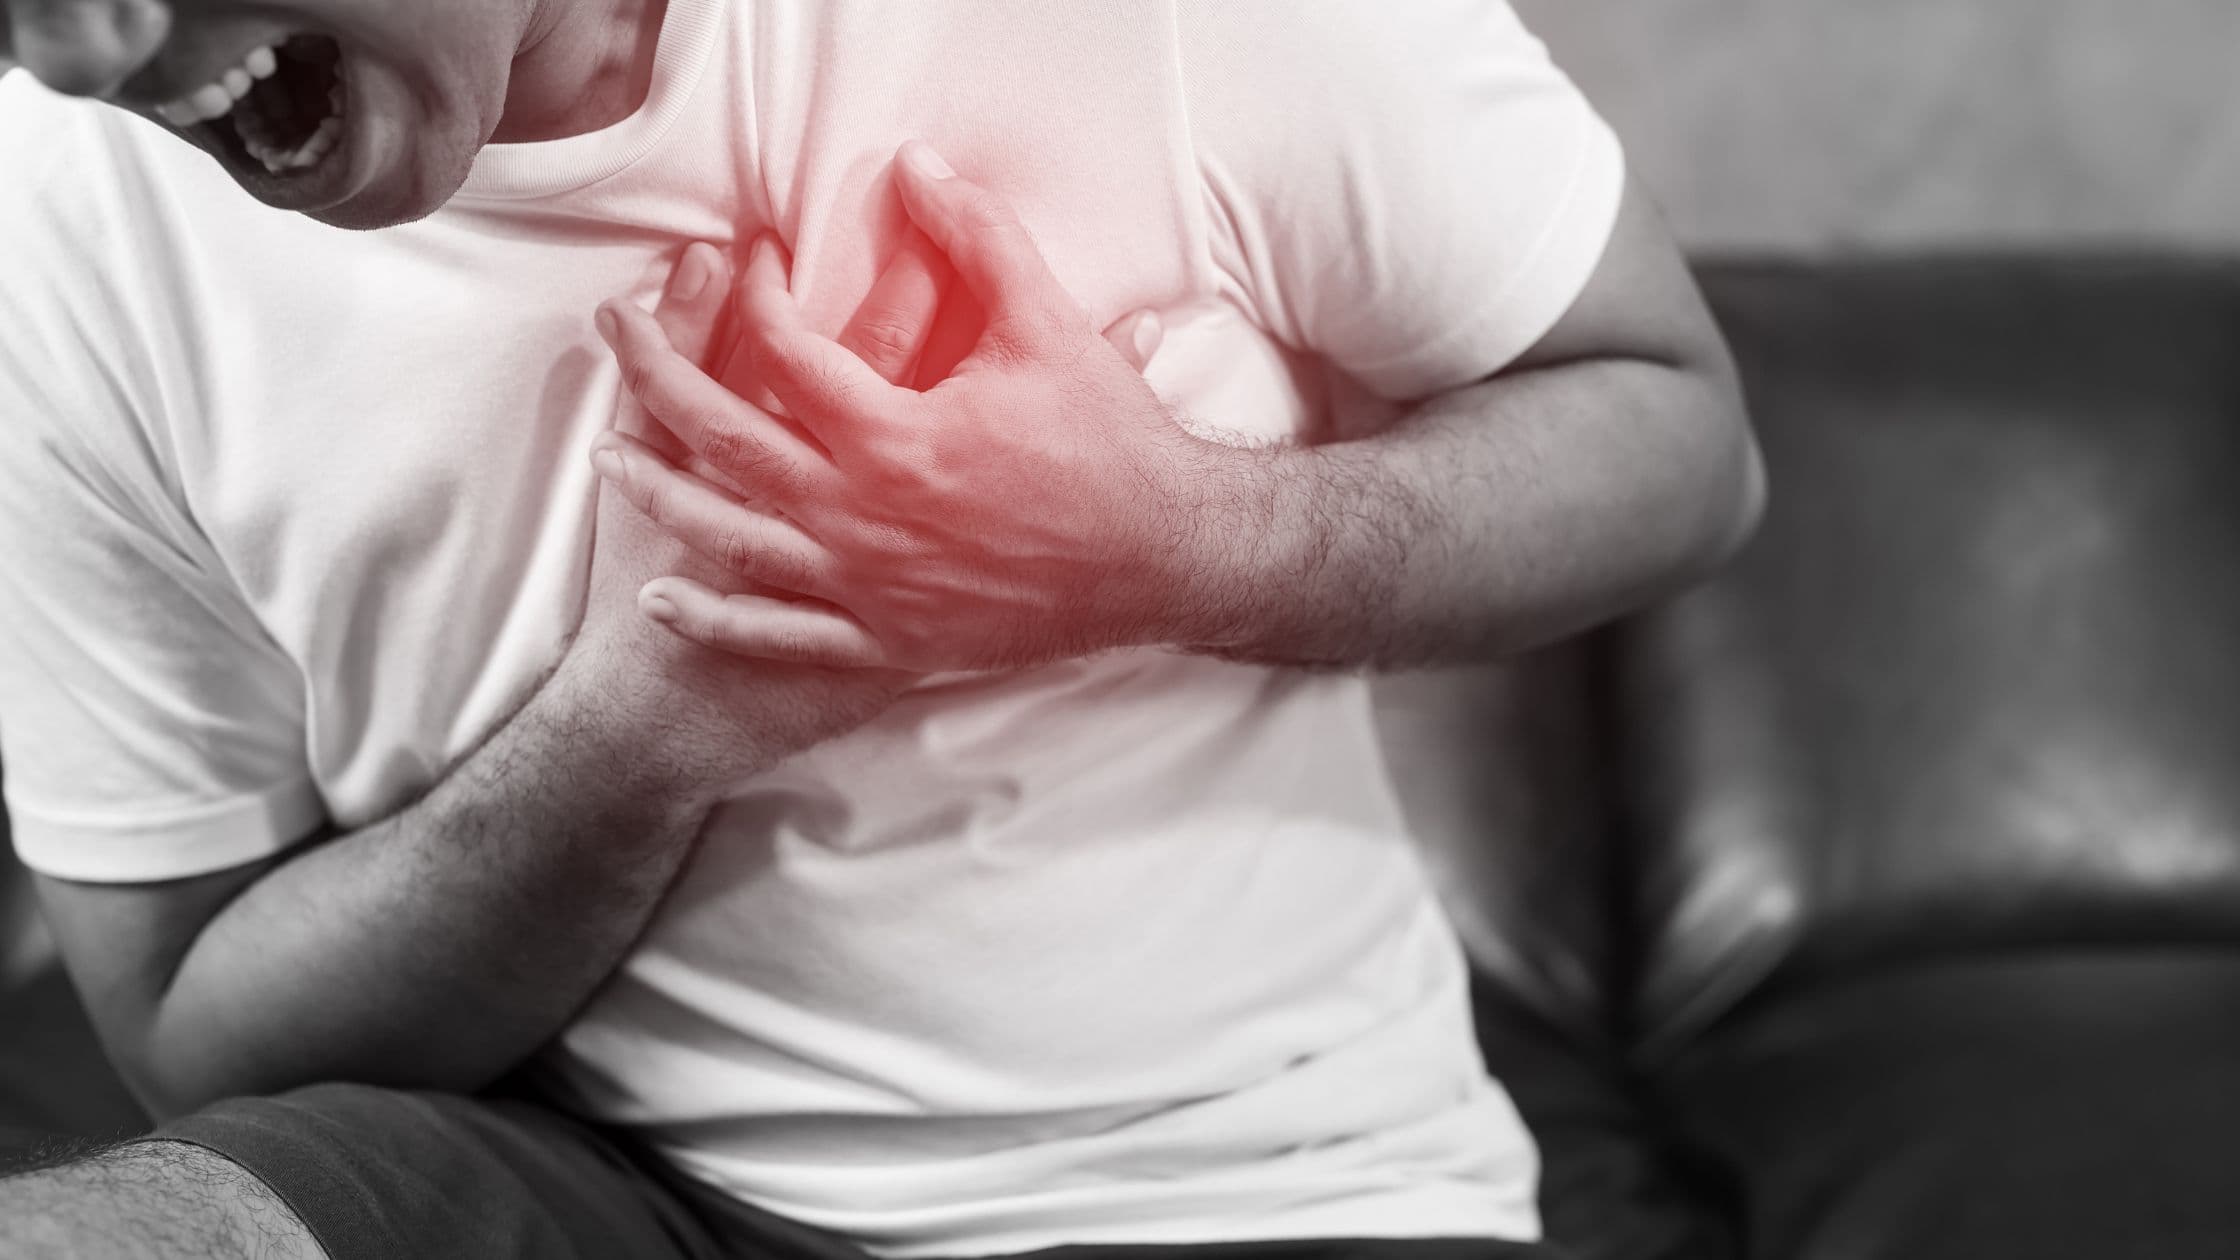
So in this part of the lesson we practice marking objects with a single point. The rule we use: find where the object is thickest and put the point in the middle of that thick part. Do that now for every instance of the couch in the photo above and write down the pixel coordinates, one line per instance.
(1880, 898)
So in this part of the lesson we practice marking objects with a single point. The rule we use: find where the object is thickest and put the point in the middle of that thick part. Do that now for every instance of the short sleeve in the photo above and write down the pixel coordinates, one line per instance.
(148, 728)
(1413, 192)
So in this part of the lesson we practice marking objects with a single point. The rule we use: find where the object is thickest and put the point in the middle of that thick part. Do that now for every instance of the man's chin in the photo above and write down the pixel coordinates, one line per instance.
(400, 198)
(360, 214)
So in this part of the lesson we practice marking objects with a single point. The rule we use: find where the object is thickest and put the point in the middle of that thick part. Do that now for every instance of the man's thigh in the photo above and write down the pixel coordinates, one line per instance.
(372, 1173)
(146, 1201)
(380, 1173)
(1313, 1249)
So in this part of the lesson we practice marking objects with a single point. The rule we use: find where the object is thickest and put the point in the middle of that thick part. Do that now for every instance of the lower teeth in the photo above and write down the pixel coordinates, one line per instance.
(308, 154)
(312, 151)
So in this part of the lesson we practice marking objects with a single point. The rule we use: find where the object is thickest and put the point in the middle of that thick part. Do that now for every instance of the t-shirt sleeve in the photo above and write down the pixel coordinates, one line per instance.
(149, 729)
(1413, 192)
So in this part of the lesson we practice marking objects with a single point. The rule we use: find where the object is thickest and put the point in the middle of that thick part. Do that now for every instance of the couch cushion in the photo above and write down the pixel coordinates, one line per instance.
(1613, 1184)
(2047, 1104)
(1977, 684)
(54, 1080)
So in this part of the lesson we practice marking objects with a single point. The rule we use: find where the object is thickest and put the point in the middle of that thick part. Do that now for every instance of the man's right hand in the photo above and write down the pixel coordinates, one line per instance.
(710, 433)
(717, 716)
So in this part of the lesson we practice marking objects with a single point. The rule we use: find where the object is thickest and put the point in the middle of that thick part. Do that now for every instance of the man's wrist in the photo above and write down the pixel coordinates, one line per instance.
(1299, 548)
(621, 723)
(1230, 555)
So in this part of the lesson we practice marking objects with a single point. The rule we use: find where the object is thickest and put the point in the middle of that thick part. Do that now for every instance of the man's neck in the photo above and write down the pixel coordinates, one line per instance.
(584, 66)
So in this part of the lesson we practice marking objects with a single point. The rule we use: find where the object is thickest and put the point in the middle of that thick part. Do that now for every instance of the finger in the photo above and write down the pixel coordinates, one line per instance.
(691, 462)
(991, 249)
(957, 330)
(753, 544)
(735, 370)
(761, 626)
(818, 382)
(750, 447)
(692, 302)
(890, 328)
(1137, 336)
(735, 365)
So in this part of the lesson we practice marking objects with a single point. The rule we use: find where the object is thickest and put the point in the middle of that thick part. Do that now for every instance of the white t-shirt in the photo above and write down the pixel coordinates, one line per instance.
(1132, 949)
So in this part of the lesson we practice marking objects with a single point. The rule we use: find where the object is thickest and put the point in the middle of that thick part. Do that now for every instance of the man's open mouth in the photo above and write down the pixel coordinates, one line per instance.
(281, 110)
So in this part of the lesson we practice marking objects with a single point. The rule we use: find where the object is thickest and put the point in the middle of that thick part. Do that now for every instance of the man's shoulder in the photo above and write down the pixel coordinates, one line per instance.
(83, 175)
(72, 361)
(42, 137)
(68, 199)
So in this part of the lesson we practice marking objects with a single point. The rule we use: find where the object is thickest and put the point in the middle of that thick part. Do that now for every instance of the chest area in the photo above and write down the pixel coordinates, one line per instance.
(385, 437)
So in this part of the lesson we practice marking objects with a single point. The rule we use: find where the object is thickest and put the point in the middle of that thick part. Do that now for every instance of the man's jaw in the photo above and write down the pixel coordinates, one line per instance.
(278, 119)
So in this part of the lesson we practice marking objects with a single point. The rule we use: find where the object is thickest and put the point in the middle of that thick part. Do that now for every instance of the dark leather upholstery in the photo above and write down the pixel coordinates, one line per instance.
(1927, 847)
(2043, 1103)
(54, 1082)
(1882, 898)
(1978, 684)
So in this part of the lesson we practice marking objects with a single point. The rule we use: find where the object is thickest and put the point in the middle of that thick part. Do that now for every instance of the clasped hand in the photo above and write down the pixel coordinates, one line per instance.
(1036, 503)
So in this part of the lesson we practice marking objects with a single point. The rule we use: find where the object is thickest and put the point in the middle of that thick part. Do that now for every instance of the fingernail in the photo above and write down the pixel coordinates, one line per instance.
(691, 276)
(658, 607)
(608, 462)
(606, 322)
(925, 161)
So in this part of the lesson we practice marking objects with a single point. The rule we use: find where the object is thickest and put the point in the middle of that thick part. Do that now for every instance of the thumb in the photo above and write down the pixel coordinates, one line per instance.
(1137, 336)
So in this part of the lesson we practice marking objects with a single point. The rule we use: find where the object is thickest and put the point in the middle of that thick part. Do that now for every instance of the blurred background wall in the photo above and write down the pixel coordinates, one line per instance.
(1849, 126)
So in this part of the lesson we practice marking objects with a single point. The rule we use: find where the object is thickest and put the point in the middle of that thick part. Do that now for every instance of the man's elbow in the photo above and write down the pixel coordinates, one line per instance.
(167, 1080)
(199, 1060)
(166, 1093)
(1702, 477)
(1738, 497)
(176, 1063)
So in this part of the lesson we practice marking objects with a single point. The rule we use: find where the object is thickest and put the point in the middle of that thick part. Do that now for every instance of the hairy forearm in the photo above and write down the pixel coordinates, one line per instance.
(1488, 521)
(441, 946)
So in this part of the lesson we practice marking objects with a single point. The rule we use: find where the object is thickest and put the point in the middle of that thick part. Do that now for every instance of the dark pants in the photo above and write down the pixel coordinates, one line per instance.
(384, 1173)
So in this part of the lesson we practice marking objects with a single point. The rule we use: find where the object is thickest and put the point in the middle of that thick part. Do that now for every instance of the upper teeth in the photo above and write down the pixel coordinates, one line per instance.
(214, 99)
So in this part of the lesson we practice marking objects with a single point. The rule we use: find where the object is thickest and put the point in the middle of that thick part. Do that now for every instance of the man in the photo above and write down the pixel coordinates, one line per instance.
(345, 731)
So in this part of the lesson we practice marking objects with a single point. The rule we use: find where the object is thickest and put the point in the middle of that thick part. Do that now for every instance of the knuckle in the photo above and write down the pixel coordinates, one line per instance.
(765, 469)
(1013, 343)
(886, 337)
(724, 447)
(698, 419)
(780, 359)
(735, 550)
(785, 569)
(791, 642)
(831, 387)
